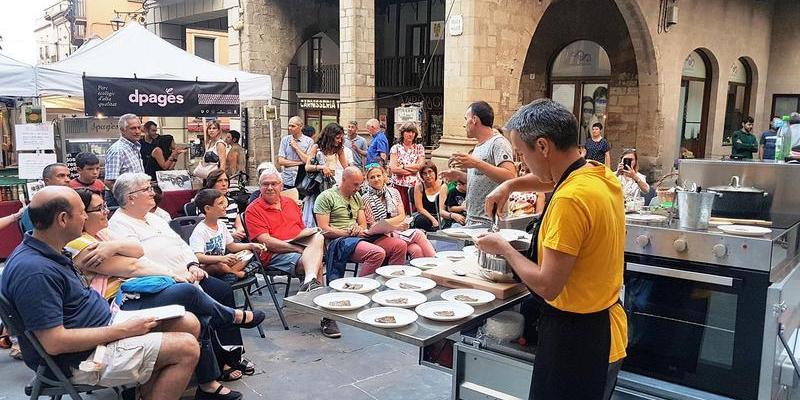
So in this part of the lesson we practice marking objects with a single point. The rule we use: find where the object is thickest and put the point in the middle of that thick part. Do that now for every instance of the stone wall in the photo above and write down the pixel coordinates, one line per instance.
(784, 57)
(357, 61)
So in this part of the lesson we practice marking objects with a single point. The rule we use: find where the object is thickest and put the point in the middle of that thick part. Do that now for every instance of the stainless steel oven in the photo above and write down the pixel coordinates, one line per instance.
(696, 325)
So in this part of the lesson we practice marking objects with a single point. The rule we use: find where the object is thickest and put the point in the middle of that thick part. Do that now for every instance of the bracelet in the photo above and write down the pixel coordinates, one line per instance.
(192, 264)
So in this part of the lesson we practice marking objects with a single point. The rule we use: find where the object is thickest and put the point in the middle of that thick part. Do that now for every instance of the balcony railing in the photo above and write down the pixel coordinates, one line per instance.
(323, 79)
(79, 8)
(404, 73)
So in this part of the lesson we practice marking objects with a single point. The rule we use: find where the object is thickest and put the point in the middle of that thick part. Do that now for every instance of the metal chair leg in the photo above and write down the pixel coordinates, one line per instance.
(36, 389)
(248, 305)
(278, 307)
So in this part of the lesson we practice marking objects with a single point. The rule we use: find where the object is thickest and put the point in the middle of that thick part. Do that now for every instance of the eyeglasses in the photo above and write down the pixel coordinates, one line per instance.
(349, 211)
(148, 189)
(270, 184)
(103, 208)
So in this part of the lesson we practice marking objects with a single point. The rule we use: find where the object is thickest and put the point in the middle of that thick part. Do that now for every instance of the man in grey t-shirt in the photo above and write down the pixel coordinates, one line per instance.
(293, 151)
(490, 163)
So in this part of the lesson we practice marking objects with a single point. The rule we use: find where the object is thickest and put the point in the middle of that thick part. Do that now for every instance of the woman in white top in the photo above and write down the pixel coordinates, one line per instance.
(216, 143)
(633, 183)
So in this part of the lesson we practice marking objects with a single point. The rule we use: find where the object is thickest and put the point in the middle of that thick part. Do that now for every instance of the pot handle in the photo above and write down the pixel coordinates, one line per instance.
(766, 194)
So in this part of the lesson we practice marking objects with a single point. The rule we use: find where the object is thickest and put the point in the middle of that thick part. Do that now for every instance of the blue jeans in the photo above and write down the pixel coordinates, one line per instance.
(210, 313)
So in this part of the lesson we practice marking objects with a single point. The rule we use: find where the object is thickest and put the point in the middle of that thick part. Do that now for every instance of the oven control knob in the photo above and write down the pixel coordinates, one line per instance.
(642, 240)
(679, 245)
(719, 250)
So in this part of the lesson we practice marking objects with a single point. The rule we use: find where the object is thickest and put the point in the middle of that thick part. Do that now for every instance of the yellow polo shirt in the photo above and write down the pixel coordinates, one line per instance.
(586, 219)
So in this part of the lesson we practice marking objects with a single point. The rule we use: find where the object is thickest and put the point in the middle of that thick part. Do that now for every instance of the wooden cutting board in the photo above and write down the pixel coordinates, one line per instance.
(759, 222)
(444, 276)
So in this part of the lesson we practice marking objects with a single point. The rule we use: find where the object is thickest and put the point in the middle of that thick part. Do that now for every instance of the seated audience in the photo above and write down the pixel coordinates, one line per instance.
(71, 320)
(340, 214)
(134, 221)
(219, 180)
(56, 174)
(383, 203)
(276, 222)
(213, 243)
(257, 193)
(105, 263)
(633, 182)
(454, 210)
(88, 171)
(427, 193)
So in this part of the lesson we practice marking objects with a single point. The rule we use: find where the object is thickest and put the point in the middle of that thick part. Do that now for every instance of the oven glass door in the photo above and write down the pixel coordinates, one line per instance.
(698, 327)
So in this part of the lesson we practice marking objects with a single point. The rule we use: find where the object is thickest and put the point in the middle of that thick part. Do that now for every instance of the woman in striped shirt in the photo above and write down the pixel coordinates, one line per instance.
(218, 179)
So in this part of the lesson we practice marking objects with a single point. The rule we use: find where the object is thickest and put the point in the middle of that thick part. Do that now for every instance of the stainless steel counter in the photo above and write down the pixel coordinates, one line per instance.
(421, 333)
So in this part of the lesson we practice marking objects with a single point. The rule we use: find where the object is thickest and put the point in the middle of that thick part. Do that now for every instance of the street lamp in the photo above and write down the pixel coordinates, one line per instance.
(117, 22)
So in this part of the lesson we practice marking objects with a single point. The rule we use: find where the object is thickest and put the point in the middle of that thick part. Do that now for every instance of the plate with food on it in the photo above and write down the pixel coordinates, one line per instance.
(444, 310)
(399, 298)
(462, 233)
(341, 301)
(430, 262)
(398, 271)
(387, 317)
(453, 256)
(355, 285)
(473, 297)
(414, 283)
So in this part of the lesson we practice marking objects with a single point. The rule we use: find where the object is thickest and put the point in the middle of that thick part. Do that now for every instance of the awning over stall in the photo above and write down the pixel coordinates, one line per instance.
(17, 79)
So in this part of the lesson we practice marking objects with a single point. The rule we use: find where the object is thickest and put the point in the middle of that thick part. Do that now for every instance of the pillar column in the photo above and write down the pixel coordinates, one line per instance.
(357, 61)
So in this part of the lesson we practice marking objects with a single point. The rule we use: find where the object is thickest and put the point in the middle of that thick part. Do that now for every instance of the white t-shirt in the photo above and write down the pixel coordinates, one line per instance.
(160, 243)
(630, 188)
(208, 241)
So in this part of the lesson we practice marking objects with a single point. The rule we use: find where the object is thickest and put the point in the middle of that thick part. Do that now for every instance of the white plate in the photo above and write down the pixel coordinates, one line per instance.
(428, 309)
(414, 298)
(745, 230)
(430, 262)
(646, 217)
(482, 296)
(458, 232)
(453, 256)
(388, 270)
(422, 283)
(368, 284)
(515, 234)
(356, 300)
(471, 251)
(402, 316)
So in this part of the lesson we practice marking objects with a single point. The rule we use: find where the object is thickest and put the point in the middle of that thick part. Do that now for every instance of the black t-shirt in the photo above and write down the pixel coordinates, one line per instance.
(597, 150)
(455, 198)
(146, 151)
(45, 289)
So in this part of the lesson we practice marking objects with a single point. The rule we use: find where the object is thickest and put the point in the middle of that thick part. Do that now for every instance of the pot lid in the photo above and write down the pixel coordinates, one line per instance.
(740, 189)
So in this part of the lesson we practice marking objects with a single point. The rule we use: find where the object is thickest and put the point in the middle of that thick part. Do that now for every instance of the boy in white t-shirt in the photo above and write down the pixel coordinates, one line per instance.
(212, 242)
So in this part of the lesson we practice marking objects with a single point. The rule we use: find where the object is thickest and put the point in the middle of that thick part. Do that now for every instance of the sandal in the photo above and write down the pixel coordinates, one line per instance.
(227, 374)
(201, 395)
(15, 353)
(245, 366)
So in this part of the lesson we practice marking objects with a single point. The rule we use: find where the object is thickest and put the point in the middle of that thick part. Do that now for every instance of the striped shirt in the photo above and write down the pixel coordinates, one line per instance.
(123, 156)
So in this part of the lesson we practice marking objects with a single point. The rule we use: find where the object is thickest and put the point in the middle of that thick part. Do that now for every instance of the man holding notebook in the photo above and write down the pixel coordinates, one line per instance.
(71, 320)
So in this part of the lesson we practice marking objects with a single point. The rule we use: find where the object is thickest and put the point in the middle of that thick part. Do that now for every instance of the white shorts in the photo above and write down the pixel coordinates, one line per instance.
(127, 361)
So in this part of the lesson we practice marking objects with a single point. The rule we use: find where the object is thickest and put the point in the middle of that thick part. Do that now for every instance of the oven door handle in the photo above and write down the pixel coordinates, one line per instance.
(680, 274)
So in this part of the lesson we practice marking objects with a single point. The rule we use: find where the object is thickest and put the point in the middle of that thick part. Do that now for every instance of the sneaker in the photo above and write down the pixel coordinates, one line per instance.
(330, 329)
(310, 286)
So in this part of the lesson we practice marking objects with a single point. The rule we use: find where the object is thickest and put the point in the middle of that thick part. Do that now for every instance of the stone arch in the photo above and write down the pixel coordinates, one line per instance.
(713, 89)
(754, 87)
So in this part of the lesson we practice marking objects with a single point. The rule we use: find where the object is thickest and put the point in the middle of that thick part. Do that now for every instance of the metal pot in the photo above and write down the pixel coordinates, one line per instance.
(495, 268)
(694, 209)
(739, 201)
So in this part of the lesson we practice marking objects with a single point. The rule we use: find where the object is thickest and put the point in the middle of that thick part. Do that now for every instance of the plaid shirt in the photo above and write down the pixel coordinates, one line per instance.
(123, 156)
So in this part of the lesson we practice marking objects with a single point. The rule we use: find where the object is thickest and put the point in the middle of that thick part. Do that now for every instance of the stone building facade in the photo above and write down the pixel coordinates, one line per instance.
(505, 51)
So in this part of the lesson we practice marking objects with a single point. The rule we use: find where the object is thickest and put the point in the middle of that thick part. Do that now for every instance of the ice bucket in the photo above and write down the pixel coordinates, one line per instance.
(694, 209)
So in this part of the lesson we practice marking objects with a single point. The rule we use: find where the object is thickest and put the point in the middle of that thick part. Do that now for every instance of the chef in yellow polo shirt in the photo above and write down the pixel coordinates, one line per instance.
(576, 259)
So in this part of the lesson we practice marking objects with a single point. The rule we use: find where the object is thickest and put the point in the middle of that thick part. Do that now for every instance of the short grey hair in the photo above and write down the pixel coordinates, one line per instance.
(123, 120)
(266, 169)
(49, 170)
(297, 120)
(794, 118)
(127, 183)
(373, 123)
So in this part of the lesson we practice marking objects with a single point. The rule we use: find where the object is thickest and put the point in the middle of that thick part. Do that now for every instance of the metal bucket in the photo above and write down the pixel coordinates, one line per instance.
(694, 209)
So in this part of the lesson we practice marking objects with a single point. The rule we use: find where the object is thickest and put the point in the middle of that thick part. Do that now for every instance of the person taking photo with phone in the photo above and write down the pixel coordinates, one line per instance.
(633, 182)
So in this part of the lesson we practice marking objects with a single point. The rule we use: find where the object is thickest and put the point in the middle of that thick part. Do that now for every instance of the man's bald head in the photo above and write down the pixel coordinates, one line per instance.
(295, 126)
(57, 208)
(352, 178)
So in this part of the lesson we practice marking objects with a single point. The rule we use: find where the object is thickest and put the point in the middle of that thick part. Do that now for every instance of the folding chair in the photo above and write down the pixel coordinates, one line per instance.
(184, 226)
(42, 384)
(269, 284)
(244, 285)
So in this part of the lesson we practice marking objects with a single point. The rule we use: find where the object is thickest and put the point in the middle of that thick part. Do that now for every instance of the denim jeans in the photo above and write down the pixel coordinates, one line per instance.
(212, 315)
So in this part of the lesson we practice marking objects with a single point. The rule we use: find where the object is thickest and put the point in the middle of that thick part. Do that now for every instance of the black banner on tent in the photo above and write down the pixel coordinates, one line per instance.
(159, 98)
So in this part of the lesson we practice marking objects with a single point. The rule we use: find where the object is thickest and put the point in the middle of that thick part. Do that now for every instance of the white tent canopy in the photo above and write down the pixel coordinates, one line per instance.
(133, 51)
(17, 79)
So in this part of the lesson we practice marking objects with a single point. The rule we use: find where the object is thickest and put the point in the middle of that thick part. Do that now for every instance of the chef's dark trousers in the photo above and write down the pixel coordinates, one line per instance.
(571, 355)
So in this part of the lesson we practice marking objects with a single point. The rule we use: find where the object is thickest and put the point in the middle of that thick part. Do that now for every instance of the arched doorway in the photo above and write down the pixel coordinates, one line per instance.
(579, 80)
(740, 84)
(693, 105)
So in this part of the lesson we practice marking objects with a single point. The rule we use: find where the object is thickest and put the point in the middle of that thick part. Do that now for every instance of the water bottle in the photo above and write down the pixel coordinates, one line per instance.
(782, 139)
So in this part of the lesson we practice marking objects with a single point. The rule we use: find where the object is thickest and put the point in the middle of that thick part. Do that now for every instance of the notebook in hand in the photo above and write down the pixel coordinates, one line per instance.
(160, 313)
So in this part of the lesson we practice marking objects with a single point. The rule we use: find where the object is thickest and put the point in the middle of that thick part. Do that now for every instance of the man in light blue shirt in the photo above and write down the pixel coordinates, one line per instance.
(355, 143)
(378, 151)
(293, 152)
